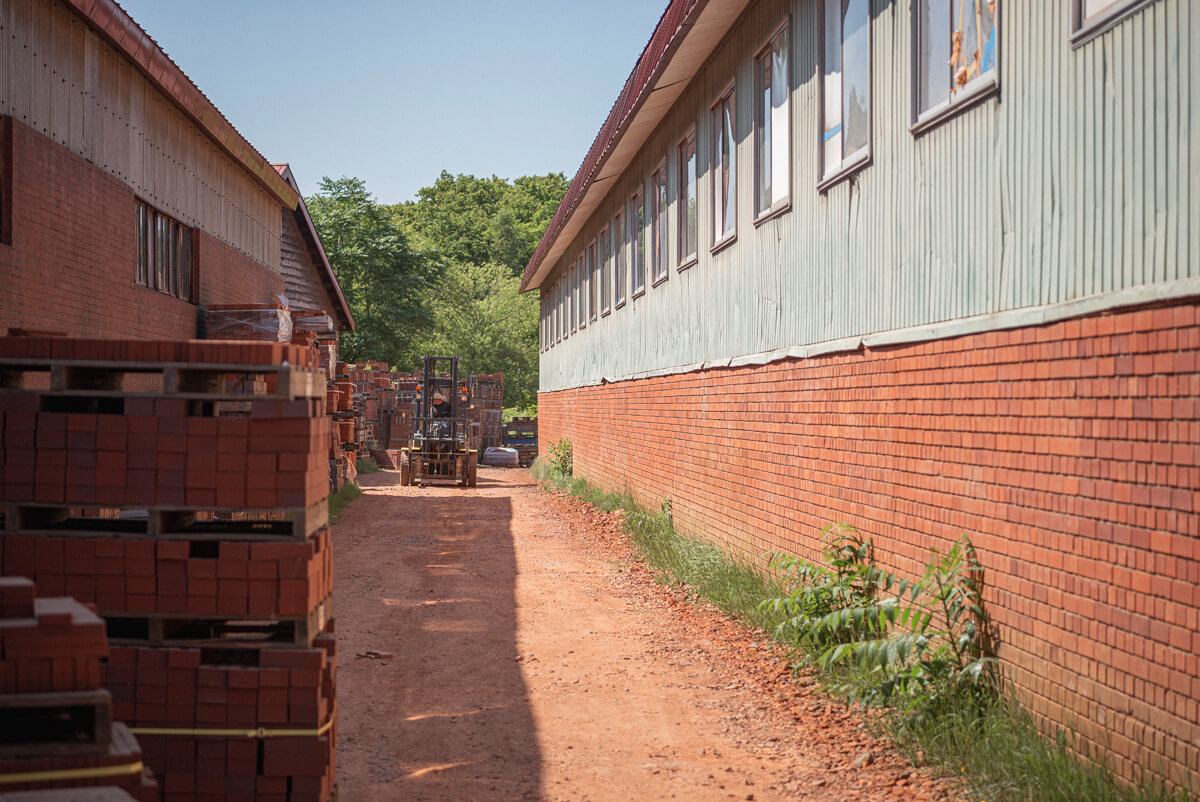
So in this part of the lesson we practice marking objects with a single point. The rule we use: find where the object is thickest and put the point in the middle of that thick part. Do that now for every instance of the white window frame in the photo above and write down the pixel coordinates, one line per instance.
(558, 316)
(687, 185)
(620, 263)
(605, 255)
(778, 149)
(660, 225)
(975, 91)
(590, 268)
(638, 234)
(846, 165)
(720, 201)
(1084, 29)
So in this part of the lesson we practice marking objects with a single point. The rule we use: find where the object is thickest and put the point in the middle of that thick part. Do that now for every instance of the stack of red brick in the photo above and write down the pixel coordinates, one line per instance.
(221, 556)
(487, 408)
(59, 731)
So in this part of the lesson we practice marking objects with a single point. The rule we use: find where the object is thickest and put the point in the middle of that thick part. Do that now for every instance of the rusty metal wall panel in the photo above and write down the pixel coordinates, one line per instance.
(62, 80)
(1078, 180)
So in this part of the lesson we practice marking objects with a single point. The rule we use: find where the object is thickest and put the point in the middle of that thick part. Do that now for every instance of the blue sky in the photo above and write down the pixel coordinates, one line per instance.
(395, 92)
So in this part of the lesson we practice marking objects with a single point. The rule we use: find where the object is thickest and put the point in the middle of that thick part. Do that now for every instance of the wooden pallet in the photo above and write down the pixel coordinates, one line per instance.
(166, 523)
(225, 632)
(191, 381)
(64, 723)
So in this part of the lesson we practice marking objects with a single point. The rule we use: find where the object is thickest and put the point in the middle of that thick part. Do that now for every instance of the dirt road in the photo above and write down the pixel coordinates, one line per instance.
(503, 643)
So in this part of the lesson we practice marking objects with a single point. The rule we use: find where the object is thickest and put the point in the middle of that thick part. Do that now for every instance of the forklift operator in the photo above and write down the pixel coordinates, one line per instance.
(441, 407)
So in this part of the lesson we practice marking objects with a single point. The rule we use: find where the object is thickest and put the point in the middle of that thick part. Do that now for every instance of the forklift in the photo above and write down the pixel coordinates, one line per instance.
(439, 449)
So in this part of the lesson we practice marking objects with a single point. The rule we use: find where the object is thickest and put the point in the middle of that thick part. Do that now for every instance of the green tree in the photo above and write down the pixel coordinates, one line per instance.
(480, 316)
(386, 283)
(477, 221)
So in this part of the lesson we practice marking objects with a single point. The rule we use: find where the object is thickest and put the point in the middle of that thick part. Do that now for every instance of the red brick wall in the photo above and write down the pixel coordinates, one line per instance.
(70, 265)
(1068, 452)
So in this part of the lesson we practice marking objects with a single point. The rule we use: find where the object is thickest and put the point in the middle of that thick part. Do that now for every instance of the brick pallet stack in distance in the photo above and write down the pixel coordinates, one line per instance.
(215, 578)
(58, 730)
(487, 408)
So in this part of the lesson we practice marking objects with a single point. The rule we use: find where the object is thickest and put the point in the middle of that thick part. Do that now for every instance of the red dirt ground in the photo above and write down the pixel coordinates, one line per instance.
(506, 643)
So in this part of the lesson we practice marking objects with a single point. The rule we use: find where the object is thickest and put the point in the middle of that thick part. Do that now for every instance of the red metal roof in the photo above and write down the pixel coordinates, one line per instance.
(331, 282)
(630, 98)
(115, 25)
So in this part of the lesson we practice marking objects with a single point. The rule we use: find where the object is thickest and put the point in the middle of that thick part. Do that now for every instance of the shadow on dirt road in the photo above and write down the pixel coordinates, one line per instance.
(432, 702)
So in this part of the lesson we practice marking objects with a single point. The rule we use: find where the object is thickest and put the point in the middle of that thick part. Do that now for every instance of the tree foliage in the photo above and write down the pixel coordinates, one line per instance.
(386, 283)
(478, 221)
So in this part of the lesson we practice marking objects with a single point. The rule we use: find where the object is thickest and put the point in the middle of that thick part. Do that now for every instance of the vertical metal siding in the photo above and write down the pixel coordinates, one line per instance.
(60, 79)
(1078, 179)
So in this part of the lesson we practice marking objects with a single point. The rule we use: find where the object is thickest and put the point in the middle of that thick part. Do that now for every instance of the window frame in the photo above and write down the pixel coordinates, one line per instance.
(590, 269)
(660, 224)
(727, 96)
(619, 260)
(637, 241)
(784, 204)
(605, 261)
(1084, 30)
(686, 260)
(860, 161)
(977, 90)
(558, 310)
(165, 259)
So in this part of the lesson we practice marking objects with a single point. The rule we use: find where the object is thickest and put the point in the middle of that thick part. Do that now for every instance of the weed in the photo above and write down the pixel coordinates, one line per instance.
(367, 465)
(562, 457)
(339, 499)
(929, 645)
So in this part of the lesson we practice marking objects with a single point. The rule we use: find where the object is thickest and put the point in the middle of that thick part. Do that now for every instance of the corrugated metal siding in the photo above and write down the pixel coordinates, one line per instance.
(304, 289)
(59, 78)
(1079, 179)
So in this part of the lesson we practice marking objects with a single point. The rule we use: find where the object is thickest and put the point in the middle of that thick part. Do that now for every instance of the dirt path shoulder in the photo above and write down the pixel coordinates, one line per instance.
(504, 643)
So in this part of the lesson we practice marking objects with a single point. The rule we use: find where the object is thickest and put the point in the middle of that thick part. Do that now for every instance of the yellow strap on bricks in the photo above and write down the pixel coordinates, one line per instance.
(261, 732)
(73, 774)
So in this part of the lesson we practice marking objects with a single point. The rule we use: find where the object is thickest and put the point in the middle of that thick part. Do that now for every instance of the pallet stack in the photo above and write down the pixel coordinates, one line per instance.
(521, 434)
(196, 521)
(487, 408)
(58, 730)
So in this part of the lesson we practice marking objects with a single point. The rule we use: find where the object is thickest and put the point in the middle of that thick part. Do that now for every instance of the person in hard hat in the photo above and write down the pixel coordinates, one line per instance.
(441, 406)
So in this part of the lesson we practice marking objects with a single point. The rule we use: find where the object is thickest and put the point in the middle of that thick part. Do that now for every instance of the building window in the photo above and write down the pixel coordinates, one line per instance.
(955, 52)
(724, 168)
(772, 126)
(846, 88)
(1092, 17)
(558, 310)
(606, 253)
(573, 313)
(164, 259)
(589, 272)
(687, 199)
(637, 241)
(658, 224)
(618, 239)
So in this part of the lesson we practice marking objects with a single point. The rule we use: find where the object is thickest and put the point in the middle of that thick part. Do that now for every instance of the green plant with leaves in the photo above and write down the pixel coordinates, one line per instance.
(849, 578)
(562, 457)
(923, 642)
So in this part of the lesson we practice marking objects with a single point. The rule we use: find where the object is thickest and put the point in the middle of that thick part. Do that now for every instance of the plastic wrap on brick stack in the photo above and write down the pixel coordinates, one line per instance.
(261, 322)
(343, 447)
(59, 731)
(487, 402)
(196, 520)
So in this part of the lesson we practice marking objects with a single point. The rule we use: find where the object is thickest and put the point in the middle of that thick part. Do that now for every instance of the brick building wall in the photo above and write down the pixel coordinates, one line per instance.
(69, 263)
(1068, 452)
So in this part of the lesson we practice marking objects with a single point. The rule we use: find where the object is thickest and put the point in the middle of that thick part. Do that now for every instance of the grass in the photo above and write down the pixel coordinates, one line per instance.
(367, 465)
(996, 753)
(340, 499)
